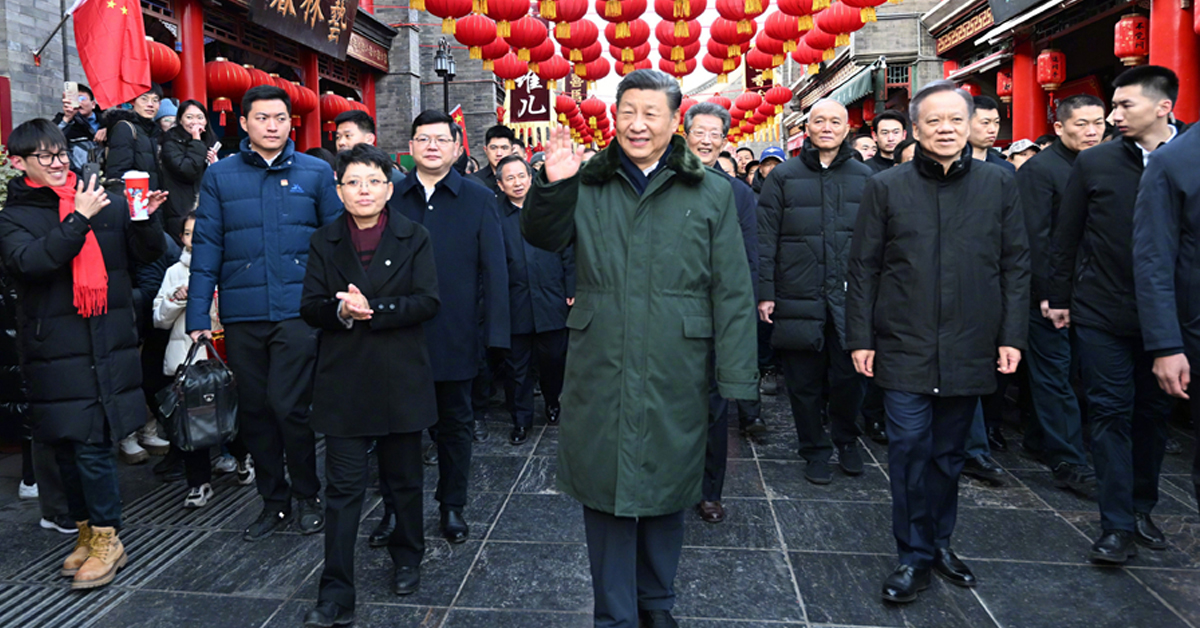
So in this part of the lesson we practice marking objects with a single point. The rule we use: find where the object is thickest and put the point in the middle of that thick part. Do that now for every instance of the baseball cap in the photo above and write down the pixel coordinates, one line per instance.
(1021, 146)
(772, 152)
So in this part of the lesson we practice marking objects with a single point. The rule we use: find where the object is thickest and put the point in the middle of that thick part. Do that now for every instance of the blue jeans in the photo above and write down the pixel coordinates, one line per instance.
(1055, 406)
(89, 478)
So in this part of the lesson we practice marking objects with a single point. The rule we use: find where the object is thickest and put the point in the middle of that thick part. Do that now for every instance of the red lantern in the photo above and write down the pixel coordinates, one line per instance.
(510, 68)
(624, 69)
(722, 101)
(772, 47)
(747, 127)
(331, 106)
(257, 76)
(762, 62)
(748, 101)
(686, 52)
(225, 81)
(630, 55)
(742, 12)
(541, 52)
(589, 54)
(868, 111)
(819, 39)
(637, 32)
(592, 108)
(500, 111)
(677, 13)
(841, 20)
(553, 69)
(785, 28)
(678, 69)
(593, 70)
(808, 56)
(855, 118)
(450, 11)
(164, 63)
(1131, 41)
(495, 50)
(866, 8)
(803, 11)
(971, 88)
(504, 12)
(1004, 86)
(721, 51)
(304, 102)
(716, 66)
(686, 104)
(475, 32)
(292, 94)
(564, 12)
(778, 96)
(583, 33)
(1051, 69)
(677, 39)
(620, 12)
(730, 34)
(524, 34)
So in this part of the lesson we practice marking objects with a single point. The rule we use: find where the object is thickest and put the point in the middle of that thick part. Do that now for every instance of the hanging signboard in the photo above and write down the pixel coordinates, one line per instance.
(323, 25)
(576, 88)
(529, 100)
(756, 80)
(1004, 10)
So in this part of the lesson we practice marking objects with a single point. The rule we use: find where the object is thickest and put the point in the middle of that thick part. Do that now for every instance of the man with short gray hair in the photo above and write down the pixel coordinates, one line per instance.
(937, 298)
(662, 282)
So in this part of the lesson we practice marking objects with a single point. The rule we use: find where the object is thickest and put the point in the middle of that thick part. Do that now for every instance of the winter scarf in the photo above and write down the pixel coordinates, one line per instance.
(91, 277)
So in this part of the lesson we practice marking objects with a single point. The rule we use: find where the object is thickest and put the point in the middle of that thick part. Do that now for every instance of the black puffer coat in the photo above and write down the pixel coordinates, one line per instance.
(182, 162)
(83, 373)
(939, 276)
(132, 145)
(14, 396)
(806, 215)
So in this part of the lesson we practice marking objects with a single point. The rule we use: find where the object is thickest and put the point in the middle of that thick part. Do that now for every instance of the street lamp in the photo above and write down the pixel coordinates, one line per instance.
(443, 65)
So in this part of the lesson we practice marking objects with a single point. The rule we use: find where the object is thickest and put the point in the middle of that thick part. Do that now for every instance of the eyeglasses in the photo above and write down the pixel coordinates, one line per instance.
(368, 183)
(698, 135)
(46, 161)
(425, 140)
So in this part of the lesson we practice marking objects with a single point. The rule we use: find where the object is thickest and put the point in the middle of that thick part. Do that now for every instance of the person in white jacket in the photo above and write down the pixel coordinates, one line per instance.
(169, 307)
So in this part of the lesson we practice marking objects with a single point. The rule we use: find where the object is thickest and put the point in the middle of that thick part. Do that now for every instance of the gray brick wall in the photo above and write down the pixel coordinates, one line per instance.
(24, 25)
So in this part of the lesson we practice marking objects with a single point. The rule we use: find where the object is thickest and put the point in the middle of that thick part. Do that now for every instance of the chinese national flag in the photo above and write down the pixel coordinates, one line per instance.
(457, 114)
(111, 39)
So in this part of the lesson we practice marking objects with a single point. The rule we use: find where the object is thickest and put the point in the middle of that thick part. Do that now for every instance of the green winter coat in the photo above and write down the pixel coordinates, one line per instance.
(661, 280)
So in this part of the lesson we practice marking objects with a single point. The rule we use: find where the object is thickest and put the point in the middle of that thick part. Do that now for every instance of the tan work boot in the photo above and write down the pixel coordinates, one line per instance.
(107, 556)
(83, 548)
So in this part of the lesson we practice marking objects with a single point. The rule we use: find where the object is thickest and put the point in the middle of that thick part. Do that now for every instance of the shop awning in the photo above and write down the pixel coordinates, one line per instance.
(855, 87)
(1008, 26)
(982, 65)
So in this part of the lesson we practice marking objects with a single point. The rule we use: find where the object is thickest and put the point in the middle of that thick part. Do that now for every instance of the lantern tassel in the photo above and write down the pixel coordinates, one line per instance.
(222, 118)
(509, 84)
(476, 52)
(418, 5)
(789, 46)
(488, 65)
(612, 8)
(503, 29)
(867, 14)
(677, 53)
(778, 60)
(843, 39)
(546, 8)
(591, 85)
(562, 30)
(681, 29)
(576, 55)
(728, 65)
(743, 27)
(627, 55)
(681, 67)
(581, 71)
(754, 7)
(814, 68)
(683, 9)
(483, 7)
(722, 78)
(819, 5)
(448, 26)
(827, 55)
(735, 51)
(475, 7)
(523, 54)
(534, 67)
(623, 30)
(804, 24)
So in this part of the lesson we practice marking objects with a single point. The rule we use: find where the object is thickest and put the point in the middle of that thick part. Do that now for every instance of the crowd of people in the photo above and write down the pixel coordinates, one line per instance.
(897, 285)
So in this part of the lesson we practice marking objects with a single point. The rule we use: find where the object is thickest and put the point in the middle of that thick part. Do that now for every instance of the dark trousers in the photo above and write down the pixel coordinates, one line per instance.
(52, 496)
(766, 354)
(717, 450)
(633, 563)
(89, 477)
(550, 349)
(274, 364)
(1128, 415)
(1194, 408)
(1058, 431)
(806, 372)
(346, 462)
(197, 465)
(453, 436)
(872, 405)
(925, 457)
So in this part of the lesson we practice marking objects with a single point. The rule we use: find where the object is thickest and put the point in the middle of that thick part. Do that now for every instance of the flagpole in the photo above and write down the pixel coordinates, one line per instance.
(37, 54)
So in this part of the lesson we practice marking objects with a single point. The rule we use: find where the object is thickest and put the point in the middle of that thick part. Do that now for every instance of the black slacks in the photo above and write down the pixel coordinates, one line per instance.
(806, 372)
(346, 473)
(274, 365)
(453, 435)
(633, 563)
(550, 349)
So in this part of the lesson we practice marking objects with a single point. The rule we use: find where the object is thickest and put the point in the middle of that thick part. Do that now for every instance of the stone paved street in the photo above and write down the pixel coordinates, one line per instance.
(789, 554)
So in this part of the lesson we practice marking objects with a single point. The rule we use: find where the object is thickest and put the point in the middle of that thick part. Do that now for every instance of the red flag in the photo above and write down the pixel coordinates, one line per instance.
(457, 114)
(111, 39)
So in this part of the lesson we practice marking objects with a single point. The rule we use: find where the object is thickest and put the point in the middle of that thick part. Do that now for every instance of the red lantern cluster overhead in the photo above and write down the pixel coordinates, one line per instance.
(741, 12)
(450, 11)
(785, 28)
(164, 63)
(621, 13)
(677, 13)
(1051, 69)
(475, 32)
(524, 34)
(1131, 41)
(637, 32)
(726, 32)
(504, 12)
(583, 34)
(802, 10)
(510, 68)
(866, 8)
(493, 51)
(331, 106)
(225, 81)
(553, 69)
(840, 20)
(563, 13)
(778, 96)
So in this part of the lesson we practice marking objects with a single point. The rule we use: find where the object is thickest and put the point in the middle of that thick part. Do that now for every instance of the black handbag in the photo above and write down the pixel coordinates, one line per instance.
(201, 403)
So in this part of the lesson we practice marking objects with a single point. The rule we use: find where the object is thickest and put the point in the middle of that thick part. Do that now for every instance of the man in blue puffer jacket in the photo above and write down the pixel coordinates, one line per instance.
(257, 211)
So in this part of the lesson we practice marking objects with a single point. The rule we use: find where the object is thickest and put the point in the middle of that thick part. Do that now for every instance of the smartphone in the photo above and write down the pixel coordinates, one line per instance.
(91, 169)
(71, 92)
(216, 147)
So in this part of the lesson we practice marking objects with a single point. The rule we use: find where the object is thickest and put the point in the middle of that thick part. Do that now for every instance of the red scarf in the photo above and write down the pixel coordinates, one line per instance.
(91, 277)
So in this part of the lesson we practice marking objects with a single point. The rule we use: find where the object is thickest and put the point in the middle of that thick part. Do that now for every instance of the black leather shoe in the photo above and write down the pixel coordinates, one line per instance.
(1146, 534)
(984, 469)
(711, 512)
(877, 432)
(905, 583)
(850, 459)
(454, 527)
(382, 532)
(518, 436)
(552, 413)
(657, 619)
(406, 580)
(1115, 547)
(268, 522)
(430, 458)
(953, 570)
(818, 472)
(996, 440)
(310, 515)
(480, 432)
(1078, 479)
(328, 614)
(753, 426)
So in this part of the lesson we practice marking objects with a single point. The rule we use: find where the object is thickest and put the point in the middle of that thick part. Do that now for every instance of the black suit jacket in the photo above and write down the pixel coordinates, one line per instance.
(375, 377)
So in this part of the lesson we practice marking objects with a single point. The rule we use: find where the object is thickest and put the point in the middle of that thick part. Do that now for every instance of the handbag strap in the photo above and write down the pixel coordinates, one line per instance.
(181, 373)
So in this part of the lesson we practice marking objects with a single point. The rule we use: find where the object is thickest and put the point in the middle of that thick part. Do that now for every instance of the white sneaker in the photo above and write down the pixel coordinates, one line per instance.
(27, 491)
(245, 471)
(131, 452)
(198, 497)
(148, 438)
(225, 464)
(60, 523)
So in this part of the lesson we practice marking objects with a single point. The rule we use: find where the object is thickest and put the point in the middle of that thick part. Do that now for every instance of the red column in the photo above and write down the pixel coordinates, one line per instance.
(310, 133)
(368, 92)
(1029, 99)
(367, 5)
(1173, 44)
(190, 82)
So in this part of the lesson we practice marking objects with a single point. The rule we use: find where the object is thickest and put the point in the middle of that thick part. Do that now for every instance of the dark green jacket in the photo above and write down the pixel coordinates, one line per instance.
(661, 279)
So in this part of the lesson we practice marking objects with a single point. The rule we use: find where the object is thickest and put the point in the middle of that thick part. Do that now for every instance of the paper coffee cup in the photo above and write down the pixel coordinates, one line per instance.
(137, 194)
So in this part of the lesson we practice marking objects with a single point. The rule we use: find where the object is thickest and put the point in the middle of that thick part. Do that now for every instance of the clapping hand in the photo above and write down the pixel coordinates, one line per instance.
(563, 157)
(354, 304)
(90, 200)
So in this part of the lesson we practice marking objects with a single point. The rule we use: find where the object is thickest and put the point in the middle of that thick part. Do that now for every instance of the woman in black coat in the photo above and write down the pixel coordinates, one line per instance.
(370, 284)
(133, 139)
(186, 151)
(68, 249)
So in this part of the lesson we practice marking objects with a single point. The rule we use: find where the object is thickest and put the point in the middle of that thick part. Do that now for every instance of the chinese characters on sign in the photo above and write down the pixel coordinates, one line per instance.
(756, 81)
(529, 101)
(576, 88)
(323, 25)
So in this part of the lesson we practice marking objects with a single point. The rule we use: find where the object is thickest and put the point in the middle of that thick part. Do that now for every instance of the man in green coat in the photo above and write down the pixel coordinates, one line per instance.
(661, 280)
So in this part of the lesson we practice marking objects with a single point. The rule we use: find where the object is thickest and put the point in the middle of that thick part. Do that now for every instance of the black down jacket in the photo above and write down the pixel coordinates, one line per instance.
(83, 373)
(132, 145)
(14, 397)
(939, 276)
(806, 215)
(182, 162)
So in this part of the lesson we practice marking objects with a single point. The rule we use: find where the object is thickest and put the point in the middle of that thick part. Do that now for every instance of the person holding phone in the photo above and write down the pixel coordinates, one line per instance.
(186, 151)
